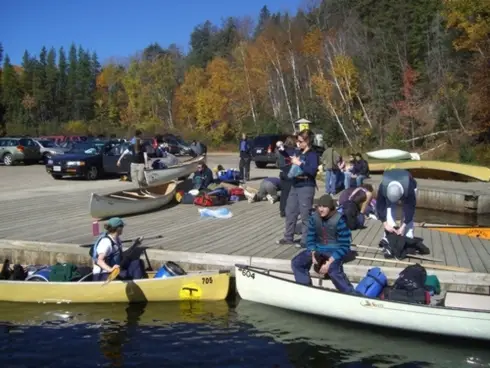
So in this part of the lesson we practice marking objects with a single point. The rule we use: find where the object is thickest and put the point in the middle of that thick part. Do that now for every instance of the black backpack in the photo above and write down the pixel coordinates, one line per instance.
(411, 278)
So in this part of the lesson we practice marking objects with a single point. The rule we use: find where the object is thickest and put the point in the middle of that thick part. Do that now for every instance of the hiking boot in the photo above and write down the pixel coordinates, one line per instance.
(285, 242)
(270, 199)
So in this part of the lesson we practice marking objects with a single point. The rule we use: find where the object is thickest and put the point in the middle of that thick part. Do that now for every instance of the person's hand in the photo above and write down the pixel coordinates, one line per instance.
(114, 267)
(401, 230)
(279, 144)
(295, 160)
(388, 228)
(324, 269)
(118, 163)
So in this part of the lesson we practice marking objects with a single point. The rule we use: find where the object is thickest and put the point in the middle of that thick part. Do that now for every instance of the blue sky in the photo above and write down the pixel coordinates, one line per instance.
(115, 28)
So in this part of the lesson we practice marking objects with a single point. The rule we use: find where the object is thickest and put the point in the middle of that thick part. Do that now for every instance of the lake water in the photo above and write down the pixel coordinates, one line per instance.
(193, 334)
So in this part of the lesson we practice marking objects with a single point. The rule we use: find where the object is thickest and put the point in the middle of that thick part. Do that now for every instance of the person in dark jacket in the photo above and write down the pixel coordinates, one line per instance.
(285, 166)
(360, 170)
(355, 204)
(300, 199)
(268, 190)
(397, 185)
(328, 239)
(245, 158)
(202, 177)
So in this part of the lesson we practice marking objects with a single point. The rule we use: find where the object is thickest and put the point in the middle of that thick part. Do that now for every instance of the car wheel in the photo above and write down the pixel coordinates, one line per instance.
(261, 165)
(92, 173)
(56, 177)
(8, 160)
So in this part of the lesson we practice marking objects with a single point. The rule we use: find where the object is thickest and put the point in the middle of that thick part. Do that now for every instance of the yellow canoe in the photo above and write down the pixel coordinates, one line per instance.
(147, 314)
(437, 170)
(471, 231)
(205, 286)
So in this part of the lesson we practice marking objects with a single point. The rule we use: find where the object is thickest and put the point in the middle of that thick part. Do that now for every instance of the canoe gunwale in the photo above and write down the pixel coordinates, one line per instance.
(172, 172)
(266, 272)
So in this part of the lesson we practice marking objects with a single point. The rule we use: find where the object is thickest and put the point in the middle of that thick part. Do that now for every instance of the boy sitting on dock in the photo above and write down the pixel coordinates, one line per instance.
(328, 237)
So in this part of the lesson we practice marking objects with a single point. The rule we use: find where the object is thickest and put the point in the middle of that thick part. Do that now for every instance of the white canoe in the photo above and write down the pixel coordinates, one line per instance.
(390, 154)
(131, 201)
(463, 315)
(186, 168)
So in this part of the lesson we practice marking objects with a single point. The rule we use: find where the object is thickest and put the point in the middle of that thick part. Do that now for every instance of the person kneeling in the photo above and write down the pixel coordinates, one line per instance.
(328, 237)
(107, 254)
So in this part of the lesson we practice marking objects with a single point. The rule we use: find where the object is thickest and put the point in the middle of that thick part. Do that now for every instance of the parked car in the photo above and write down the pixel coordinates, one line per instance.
(48, 149)
(90, 160)
(264, 149)
(14, 150)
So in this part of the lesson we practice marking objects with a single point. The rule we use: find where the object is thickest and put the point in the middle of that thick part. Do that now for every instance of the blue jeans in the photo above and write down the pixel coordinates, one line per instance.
(302, 263)
(360, 180)
(331, 181)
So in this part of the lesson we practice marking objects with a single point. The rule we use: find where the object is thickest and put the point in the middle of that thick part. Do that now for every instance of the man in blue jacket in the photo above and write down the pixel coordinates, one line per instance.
(245, 158)
(329, 238)
(397, 185)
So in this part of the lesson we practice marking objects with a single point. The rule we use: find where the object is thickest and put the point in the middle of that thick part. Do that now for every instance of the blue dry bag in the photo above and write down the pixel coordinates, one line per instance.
(373, 284)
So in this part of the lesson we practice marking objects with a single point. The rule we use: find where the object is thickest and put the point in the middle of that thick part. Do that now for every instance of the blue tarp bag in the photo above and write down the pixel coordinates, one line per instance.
(373, 284)
(229, 175)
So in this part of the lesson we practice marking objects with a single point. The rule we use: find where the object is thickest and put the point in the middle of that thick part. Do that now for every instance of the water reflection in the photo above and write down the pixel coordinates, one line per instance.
(214, 334)
(328, 343)
(438, 217)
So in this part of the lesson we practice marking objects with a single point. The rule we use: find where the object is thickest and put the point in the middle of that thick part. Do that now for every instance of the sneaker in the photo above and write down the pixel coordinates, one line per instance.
(270, 199)
(248, 195)
(285, 242)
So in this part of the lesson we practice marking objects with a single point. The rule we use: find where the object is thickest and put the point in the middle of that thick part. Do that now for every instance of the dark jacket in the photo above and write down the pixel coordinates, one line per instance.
(361, 167)
(309, 166)
(399, 246)
(284, 159)
(202, 179)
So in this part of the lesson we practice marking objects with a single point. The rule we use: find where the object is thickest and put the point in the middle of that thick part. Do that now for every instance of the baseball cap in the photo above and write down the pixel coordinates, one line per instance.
(115, 222)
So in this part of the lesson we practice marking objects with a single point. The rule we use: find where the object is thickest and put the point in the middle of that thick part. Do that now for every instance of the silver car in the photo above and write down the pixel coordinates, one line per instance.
(48, 148)
(13, 150)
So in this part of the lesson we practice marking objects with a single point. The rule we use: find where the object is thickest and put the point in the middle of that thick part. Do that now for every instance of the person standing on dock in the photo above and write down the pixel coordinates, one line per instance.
(245, 158)
(397, 185)
(139, 159)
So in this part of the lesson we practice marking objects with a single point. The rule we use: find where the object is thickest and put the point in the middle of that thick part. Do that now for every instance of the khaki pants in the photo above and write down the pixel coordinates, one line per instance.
(138, 174)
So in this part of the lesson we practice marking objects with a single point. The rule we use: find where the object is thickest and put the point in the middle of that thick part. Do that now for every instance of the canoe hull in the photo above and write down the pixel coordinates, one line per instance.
(254, 284)
(390, 154)
(156, 177)
(436, 170)
(206, 286)
(122, 204)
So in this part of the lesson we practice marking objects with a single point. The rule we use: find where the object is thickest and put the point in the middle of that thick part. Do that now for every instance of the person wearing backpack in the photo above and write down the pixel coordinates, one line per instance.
(107, 254)
(328, 238)
(397, 185)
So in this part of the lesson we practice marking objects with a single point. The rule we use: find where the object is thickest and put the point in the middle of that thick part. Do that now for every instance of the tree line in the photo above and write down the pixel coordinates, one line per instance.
(368, 73)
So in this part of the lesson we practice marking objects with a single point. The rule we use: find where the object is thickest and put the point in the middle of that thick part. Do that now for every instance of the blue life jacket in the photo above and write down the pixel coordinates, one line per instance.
(373, 284)
(116, 253)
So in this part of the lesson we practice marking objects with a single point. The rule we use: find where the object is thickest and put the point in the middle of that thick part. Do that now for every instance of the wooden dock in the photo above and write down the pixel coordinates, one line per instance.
(37, 208)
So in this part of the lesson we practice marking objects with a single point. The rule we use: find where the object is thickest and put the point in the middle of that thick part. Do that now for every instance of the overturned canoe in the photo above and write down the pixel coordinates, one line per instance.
(131, 201)
(199, 286)
(186, 168)
(389, 154)
(460, 314)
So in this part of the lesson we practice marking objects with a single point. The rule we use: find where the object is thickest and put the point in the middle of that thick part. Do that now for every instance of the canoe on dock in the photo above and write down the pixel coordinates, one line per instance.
(131, 201)
(181, 171)
(457, 314)
(205, 286)
(436, 170)
(471, 231)
(390, 154)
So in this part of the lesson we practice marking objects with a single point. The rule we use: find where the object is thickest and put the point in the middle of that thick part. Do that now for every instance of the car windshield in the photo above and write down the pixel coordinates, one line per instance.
(86, 148)
(47, 144)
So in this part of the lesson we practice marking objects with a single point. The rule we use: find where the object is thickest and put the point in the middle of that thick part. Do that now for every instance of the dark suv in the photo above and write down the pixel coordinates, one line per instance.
(264, 149)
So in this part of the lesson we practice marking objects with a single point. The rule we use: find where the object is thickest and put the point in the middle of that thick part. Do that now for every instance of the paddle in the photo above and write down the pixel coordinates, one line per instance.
(112, 276)
(127, 240)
